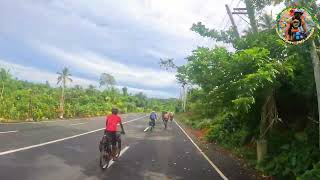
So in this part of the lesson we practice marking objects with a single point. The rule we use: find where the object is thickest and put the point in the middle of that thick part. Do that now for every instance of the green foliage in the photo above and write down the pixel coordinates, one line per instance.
(20, 100)
(223, 36)
(293, 160)
(230, 89)
(227, 131)
(313, 174)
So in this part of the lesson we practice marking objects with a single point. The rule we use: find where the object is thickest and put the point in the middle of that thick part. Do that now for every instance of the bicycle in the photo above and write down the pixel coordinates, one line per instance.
(152, 123)
(165, 121)
(106, 150)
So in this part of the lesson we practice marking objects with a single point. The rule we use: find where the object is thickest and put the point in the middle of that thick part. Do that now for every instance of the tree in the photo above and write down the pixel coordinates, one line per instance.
(223, 36)
(125, 91)
(167, 64)
(63, 79)
(107, 80)
(251, 14)
(23, 100)
(266, 22)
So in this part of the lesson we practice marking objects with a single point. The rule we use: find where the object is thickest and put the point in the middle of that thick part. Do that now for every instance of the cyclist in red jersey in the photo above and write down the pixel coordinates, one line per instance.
(112, 122)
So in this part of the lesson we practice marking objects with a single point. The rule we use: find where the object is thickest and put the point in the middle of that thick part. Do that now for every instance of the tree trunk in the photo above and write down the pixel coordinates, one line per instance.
(262, 149)
(261, 142)
(269, 115)
(316, 69)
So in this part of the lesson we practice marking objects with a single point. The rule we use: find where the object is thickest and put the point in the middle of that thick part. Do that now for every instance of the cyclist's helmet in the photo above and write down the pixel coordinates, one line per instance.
(114, 110)
(298, 11)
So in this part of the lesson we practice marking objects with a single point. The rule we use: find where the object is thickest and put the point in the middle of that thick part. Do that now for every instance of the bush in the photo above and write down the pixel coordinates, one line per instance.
(226, 131)
(205, 123)
(294, 160)
(313, 174)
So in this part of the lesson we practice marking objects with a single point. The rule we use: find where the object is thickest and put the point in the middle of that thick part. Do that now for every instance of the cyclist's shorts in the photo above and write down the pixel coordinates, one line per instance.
(112, 136)
(152, 122)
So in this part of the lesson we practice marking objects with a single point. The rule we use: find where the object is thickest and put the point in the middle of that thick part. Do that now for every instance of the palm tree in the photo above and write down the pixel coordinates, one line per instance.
(125, 91)
(266, 22)
(64, 77)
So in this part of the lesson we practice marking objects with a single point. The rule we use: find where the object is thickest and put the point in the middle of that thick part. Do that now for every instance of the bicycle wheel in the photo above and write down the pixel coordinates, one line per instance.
(104, 159)
(105, 155)
(118, 146)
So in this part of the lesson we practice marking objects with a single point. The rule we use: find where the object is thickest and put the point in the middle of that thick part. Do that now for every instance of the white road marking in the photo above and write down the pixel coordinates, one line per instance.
(75, 124)
(121, 152)
(59, 140)
(6, 132)
(145, 130)
(203, 154)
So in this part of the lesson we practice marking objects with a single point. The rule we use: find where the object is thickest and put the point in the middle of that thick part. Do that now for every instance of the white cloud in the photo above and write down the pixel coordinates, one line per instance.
(36, 75)
(125, 38)
(156, 54)
(96, 64)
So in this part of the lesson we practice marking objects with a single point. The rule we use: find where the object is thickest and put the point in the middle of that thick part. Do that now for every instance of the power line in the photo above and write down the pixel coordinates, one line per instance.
(223, 20)
(230, 4)
(227, 24)
(238, 3)
(225, 15)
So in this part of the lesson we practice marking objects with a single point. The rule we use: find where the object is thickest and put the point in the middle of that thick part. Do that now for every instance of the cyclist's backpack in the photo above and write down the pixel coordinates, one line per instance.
(153, 116)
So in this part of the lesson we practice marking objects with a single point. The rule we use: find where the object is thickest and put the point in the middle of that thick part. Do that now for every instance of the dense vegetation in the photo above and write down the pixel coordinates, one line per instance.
(262, 93)
(21, 100)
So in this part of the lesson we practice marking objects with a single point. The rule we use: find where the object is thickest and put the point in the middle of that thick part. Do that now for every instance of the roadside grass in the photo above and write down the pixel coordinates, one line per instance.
(230, 144)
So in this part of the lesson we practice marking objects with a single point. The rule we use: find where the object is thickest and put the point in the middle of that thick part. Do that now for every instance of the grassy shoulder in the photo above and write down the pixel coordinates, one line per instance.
(291, 155)
(204, 130)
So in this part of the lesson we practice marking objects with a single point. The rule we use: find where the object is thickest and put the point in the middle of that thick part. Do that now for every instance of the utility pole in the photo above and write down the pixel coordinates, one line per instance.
(30, 104)
(234, 26)
(184, 95)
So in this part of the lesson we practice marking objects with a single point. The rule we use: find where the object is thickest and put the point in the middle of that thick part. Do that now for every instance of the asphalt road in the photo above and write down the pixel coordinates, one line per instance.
(69, 150)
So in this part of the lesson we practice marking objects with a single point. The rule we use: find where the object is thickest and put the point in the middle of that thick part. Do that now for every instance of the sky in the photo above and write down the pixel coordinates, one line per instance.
(125, 38)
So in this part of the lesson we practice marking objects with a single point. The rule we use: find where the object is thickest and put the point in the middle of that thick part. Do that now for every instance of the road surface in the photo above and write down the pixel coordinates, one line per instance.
(68, 150)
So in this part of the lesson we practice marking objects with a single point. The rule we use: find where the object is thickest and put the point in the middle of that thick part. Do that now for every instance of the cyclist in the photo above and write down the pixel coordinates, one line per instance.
(171, 116)
(153, 118)
(293, 31)
(165, 118)
(111, 129)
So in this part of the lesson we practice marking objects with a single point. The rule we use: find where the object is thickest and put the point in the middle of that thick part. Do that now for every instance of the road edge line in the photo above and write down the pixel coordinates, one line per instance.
(203, 154)
(59, 140)
(121, 152)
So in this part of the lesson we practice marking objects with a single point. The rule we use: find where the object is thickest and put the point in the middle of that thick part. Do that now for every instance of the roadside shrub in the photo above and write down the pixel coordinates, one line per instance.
(205, 123)
(294, 160)
(313, 174)
(225, 130)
